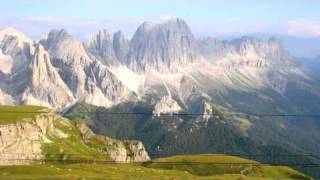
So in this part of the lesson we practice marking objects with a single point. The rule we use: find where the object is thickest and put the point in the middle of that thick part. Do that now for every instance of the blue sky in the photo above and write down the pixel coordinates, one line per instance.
(205, 17)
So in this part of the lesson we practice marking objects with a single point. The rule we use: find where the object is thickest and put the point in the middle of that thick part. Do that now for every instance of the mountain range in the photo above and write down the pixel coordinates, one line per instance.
(164, 69)
(58, 71)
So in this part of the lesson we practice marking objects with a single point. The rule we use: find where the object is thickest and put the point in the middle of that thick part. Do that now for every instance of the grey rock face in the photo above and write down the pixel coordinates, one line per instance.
(207, 112)
(32, 78)
(120, 46)
(127, 151)
(46, 86)
(22, 142)
(88, 79)
(110, 50)
(254, 52)
(56, 72)
(102, 45)
(163, 47)
(212, 48)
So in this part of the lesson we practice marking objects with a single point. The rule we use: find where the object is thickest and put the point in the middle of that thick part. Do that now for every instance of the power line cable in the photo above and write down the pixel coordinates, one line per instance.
(177, 114)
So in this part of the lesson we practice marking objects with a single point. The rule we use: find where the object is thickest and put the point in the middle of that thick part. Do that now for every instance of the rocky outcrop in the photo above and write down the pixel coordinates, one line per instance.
(166, 105)
(207, 113)
(127, 151)
(23, 142)
(119, 151)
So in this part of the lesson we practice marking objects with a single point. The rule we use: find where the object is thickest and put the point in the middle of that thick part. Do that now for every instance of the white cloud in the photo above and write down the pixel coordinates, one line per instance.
(38, 26)
(305, 28)
(167, 17)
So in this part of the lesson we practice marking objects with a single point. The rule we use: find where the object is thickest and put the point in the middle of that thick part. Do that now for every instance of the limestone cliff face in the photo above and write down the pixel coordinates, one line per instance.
(88, 79)
(27, 141)
(57, 71)
(165, 46)
(109, 49)
(43, 80)
(245, 52)
(21, 143)
(102, 45)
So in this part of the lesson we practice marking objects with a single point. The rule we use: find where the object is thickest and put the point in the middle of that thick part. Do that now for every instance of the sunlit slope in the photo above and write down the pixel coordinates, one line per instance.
(32, 134)
(14, 114)
(217, 164)
(202, 167)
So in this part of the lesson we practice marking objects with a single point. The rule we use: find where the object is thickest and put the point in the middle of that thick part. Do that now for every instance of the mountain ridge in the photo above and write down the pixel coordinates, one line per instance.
(162, 55)
(164, 69)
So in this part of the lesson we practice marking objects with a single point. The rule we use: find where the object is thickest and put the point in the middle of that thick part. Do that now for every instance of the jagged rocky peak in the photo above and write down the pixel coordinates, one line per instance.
(12, 32)
(101, 44)
(98, 41)
(246, 51)
(55, 37)
(64, 48)
(120, 45)
(270, 48)
(13, 42)
(14, 51)
(46, 88)
(110, 49)
(88, 79)
(164, 47)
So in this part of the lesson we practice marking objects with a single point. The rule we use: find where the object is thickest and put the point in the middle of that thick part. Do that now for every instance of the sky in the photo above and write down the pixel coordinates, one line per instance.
(206, 17)
(218, 18)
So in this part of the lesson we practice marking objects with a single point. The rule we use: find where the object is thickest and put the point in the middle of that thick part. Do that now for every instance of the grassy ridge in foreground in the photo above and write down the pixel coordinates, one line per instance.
(157, 169)
(14, 114)
(215, 164)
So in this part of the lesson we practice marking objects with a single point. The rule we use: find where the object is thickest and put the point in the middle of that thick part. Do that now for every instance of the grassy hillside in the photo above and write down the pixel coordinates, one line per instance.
(13, 114)
(216, 164)
(202, 167)
(61, 151)
(54, 138)
(71, 147)
(265, 141)
(74, 147)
